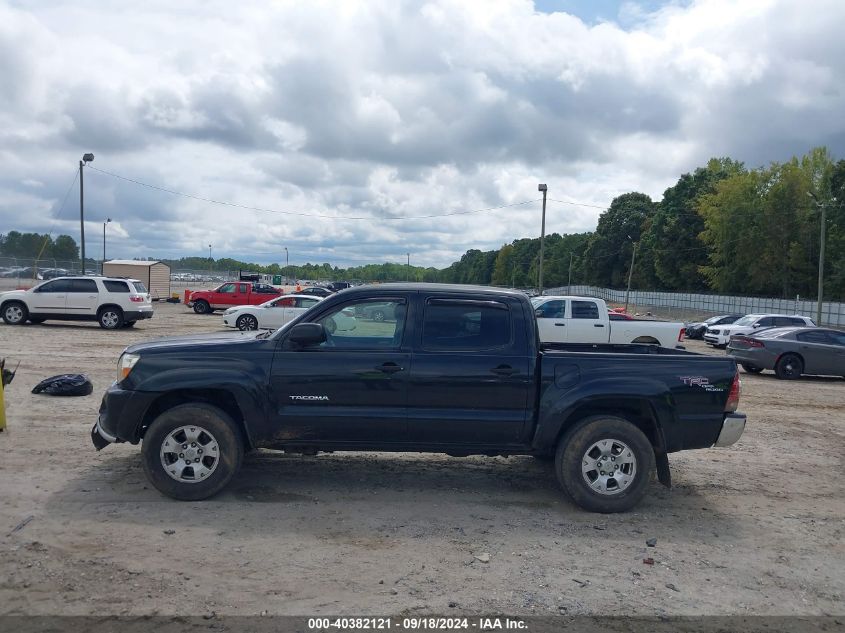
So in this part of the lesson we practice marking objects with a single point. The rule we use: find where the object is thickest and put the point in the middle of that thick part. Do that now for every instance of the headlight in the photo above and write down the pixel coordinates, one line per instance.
(726, 331)
(125, 365)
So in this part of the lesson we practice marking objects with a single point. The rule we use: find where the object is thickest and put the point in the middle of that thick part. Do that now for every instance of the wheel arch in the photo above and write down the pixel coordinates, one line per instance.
(221, 398)
(109, 305)
(638, 411)
(650, 340)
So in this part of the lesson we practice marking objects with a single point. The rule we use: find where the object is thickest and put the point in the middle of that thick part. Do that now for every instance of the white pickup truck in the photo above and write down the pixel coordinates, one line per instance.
(586, 320)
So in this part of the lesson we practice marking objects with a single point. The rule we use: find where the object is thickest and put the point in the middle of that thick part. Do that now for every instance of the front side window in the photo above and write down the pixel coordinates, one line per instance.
(465, 325)
(58, 285)
(227, 288)
(585, 310)
(305, 303)
(551, 310)
(346, 330)
(766, 322)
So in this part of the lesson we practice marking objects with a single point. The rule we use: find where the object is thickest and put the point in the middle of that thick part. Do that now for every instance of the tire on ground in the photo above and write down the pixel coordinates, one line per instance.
(110, 318)
(214, 421)
(15, 313)
(751, 369)
(789, 367)
(573, 448)
(202, 306)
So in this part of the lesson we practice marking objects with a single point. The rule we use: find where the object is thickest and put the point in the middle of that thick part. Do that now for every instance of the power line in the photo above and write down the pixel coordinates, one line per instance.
(58, 213)
(302, 213)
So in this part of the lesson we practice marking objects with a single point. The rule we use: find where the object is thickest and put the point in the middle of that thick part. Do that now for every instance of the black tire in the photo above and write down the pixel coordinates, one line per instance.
(378, 315)
(751, 369)
(37, 321)
(201, 306)
(110, 318)
(585, 436)
(15, 313)
(215, 424)
(247, 322)
(789, 367)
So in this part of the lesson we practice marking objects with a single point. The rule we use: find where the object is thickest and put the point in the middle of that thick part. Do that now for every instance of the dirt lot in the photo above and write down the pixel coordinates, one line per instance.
(753, 529)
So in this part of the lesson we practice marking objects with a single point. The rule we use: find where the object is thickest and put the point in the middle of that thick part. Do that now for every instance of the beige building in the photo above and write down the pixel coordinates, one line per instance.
(155, 275)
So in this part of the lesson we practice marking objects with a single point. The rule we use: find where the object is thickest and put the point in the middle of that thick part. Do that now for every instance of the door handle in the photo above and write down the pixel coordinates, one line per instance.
(504, 370)
(560, 324)
(389, 368)
(598, 324)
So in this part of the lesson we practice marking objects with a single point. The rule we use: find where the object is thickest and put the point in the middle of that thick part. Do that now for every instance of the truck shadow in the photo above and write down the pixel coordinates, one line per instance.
(400, 493)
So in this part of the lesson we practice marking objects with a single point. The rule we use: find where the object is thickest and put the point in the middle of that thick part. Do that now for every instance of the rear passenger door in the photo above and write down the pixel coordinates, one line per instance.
(470, 378)
(585, 324)
(83, 297)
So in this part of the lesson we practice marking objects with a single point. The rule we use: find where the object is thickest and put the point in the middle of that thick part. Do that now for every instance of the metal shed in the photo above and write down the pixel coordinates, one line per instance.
(154, 274)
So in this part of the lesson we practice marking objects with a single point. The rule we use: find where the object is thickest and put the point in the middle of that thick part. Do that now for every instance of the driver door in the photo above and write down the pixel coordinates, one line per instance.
(351, 388)
(50, 297)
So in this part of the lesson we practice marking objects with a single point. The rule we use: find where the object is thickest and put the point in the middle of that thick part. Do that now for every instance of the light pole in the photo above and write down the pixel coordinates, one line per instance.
(630, 272)
(86, 158)
(544, 189)
(103, 266)
(210, 262)
(822, 207)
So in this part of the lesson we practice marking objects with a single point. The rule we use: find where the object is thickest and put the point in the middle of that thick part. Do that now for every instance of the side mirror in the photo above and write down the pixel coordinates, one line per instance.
(538, 313)
(305, 334)
(756, 325)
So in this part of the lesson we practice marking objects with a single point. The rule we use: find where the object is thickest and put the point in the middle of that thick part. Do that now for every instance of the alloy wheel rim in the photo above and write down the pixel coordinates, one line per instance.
(14, 314)
(110, 319)
(189, 454)
(609, 467)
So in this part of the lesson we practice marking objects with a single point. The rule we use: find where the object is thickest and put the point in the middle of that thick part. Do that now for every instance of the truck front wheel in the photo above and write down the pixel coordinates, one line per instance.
(604, 463)
(190, 452)
(201, 306)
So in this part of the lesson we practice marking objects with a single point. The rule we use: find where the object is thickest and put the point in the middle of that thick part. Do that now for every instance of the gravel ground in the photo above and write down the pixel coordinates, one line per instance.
(753, 529)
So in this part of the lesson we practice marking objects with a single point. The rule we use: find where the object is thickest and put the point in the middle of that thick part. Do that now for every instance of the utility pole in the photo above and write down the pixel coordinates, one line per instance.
(287, 277)
(210, 262)
(103, 266)
(630, 273)
(86, 158)
(544, 189)
(823, 208)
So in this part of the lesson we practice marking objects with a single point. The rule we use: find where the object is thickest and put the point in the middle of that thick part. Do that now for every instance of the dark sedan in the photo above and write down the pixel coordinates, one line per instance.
(697, 330)
(315, 291)
(791, 351)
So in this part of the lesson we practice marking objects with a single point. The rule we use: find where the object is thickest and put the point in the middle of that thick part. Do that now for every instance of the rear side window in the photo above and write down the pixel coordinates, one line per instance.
(767, 322)
(816, 336)
(796, 321)
(83, 285)
(465, 325)
(140, 287)
(584, 310)
(838, 338)
(116, 286)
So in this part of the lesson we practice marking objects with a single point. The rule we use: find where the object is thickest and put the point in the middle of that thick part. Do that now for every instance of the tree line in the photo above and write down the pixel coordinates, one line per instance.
(721, 228)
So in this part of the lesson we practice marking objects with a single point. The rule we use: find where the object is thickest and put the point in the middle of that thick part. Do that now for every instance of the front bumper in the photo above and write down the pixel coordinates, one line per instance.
(732, 429)
(121, 414)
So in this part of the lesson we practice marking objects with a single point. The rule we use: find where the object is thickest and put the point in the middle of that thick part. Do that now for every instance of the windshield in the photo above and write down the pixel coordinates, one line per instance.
(746, 320)
(537, 301)
(712, 320)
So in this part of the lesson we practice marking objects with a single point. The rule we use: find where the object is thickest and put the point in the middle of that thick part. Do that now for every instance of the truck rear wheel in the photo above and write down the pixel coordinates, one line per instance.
(604, 463)
(190, 452)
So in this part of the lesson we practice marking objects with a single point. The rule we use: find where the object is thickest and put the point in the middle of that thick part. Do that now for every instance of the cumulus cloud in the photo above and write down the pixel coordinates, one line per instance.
(390, 109)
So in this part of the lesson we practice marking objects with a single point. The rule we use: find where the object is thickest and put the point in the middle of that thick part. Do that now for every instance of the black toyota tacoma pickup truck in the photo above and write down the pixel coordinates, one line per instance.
(448, 369)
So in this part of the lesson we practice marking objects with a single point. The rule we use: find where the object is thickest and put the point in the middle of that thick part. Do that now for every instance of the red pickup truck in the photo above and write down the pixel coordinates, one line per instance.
(233, 293)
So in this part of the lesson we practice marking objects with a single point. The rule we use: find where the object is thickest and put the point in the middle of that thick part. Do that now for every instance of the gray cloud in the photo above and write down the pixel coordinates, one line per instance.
(393, 109)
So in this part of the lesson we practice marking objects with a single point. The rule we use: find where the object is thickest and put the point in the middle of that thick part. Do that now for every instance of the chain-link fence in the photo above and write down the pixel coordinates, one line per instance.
(833, 314)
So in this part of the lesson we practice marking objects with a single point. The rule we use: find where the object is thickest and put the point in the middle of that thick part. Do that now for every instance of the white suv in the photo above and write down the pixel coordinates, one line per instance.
(111, 301)
(721, 335)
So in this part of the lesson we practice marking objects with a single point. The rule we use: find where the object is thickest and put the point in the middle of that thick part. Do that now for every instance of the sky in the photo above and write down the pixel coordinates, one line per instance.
(338, 129)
